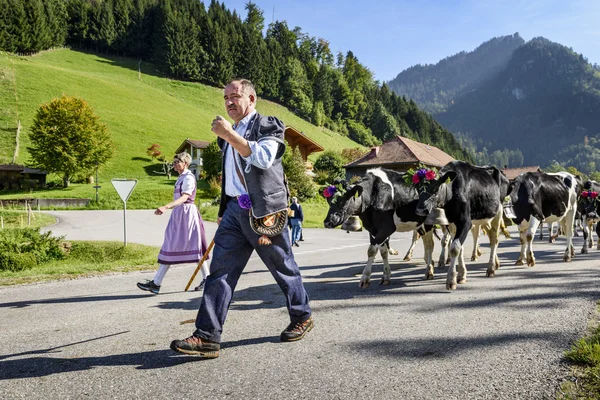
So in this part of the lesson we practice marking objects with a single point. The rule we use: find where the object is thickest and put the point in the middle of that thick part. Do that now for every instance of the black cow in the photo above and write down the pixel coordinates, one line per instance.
(589, 206)
(384, 204)
(539, 197)
(472, 197)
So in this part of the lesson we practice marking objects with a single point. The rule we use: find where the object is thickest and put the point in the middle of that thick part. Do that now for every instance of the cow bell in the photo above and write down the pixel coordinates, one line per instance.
(437, 216)
(352, 224)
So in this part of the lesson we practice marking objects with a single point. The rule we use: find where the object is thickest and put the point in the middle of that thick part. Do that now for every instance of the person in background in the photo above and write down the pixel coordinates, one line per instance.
(252, 173)
(185, 240)
(296, 221)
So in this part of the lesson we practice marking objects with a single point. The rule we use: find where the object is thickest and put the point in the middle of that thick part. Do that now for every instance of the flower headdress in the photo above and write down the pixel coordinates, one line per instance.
(590, 195)
(420, 178)
(332, 192)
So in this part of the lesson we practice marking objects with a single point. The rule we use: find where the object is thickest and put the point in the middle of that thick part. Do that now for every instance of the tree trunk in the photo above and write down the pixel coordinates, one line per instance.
(66, 181)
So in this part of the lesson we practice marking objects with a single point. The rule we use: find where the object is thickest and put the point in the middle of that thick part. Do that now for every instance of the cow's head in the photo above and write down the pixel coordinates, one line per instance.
(371, 192)
(588, 203)
(436, 194)
(343, 206)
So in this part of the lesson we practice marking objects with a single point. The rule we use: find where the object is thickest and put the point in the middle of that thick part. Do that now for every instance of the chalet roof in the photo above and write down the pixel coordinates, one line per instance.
(512, 173)
(401, 150)
(199, 144)
(21, 168)
(295, 137)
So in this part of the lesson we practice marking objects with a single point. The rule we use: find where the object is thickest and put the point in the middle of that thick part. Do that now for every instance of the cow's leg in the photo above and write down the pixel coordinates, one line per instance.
(541, 231)
(598, 234)
(390, 250)
(444, 244)
(505, 231)
(530, 233)
(523, 240)
(493, 233)
(428, 245)
(551, 236)
(365, 279)
(569, 219)
(387, 272)
(456, 248)
(591, 239)
(409, 253)
(578, 224)
(587, 230)
(476, 230)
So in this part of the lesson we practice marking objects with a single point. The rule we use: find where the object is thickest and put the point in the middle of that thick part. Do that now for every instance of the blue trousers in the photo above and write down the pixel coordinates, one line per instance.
(296, 229)
(234, 243)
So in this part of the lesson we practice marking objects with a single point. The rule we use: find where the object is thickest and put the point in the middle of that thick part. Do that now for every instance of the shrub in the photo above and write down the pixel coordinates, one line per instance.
(301, 185)
(214, 187)
(332, 163)
(42, 246)
(16, 262)
(212, 159)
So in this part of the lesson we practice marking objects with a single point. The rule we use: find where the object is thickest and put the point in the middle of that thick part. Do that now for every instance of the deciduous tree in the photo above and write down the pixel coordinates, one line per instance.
(67, 138)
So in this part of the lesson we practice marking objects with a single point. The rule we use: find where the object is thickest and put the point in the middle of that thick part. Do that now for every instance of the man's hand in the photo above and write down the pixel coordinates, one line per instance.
(221, 127)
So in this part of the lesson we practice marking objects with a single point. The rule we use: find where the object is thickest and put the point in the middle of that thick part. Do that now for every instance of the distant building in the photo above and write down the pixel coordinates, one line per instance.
(399, 154)
(512, 173)
(195, 149)
(293, 137)
(15, 176)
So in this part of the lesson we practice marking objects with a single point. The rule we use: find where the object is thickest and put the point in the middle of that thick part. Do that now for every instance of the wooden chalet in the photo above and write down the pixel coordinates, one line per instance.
(194, 148)
(399, 154)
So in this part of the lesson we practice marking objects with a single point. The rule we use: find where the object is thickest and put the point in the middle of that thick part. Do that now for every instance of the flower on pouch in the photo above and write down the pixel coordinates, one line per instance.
(245, 202)
(415, 178)
(430, 175)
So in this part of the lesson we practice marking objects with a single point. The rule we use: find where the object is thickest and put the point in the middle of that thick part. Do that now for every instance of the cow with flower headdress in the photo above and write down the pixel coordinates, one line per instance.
(385, 204)
(589, 207)
(468, 196)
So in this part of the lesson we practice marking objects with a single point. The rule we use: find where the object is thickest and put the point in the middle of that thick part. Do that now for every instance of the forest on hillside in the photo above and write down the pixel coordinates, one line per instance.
(187, 40)
(544, 101)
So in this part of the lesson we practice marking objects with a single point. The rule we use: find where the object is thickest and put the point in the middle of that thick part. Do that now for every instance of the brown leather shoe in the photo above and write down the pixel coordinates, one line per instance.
(297, 330)
(196, 346)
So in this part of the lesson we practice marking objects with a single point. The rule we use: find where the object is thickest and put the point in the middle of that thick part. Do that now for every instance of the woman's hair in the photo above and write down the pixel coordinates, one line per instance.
(184, 158)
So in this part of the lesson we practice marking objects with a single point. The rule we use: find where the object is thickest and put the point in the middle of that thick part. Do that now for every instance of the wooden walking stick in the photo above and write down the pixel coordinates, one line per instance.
(210, 246)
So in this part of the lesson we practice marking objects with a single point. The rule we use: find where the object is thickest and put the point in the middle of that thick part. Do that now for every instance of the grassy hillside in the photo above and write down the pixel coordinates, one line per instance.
(137, 113)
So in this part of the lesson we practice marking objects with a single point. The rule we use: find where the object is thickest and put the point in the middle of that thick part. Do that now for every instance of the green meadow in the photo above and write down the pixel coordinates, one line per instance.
(139, 110)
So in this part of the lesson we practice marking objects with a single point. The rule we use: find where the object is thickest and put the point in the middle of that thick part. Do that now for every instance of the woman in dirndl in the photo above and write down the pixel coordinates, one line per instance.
(185, 240)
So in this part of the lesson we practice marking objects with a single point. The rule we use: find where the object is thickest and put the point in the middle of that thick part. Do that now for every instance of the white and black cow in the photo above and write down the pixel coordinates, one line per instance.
(384, 204)
(472, 197)
(539, 197)
(589, 206)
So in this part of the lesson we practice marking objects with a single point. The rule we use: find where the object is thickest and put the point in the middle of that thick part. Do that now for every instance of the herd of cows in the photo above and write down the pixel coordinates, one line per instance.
(472, 198)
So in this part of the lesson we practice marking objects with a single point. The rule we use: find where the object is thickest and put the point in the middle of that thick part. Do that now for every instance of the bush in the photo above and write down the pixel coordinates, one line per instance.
(301, 185)
(42, 246)
(212, 159)
(16, 262)
(214, 187)
(332, 163)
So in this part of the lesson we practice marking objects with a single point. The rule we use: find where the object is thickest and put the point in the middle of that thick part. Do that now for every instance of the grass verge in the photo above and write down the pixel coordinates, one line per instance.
(19, 219)
(87, 258)
(585, 356)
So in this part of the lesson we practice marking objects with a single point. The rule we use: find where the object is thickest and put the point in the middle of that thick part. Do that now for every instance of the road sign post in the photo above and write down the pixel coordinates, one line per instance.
(124, 188)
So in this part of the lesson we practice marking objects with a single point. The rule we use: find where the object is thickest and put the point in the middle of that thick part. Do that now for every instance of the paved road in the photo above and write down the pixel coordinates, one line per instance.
(493, 338)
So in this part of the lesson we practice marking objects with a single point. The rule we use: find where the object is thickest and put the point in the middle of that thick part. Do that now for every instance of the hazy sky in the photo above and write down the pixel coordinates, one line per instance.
(388, 36)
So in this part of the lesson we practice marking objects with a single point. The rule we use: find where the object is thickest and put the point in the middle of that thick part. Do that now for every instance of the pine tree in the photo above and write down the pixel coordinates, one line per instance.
(19, 28)
(182, 47)
(56, 15)
(78, 12)
(122, 11)
(40, 38)
(107, 32)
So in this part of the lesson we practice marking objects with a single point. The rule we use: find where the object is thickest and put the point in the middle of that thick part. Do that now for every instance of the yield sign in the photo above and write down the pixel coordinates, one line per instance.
(124, 187)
